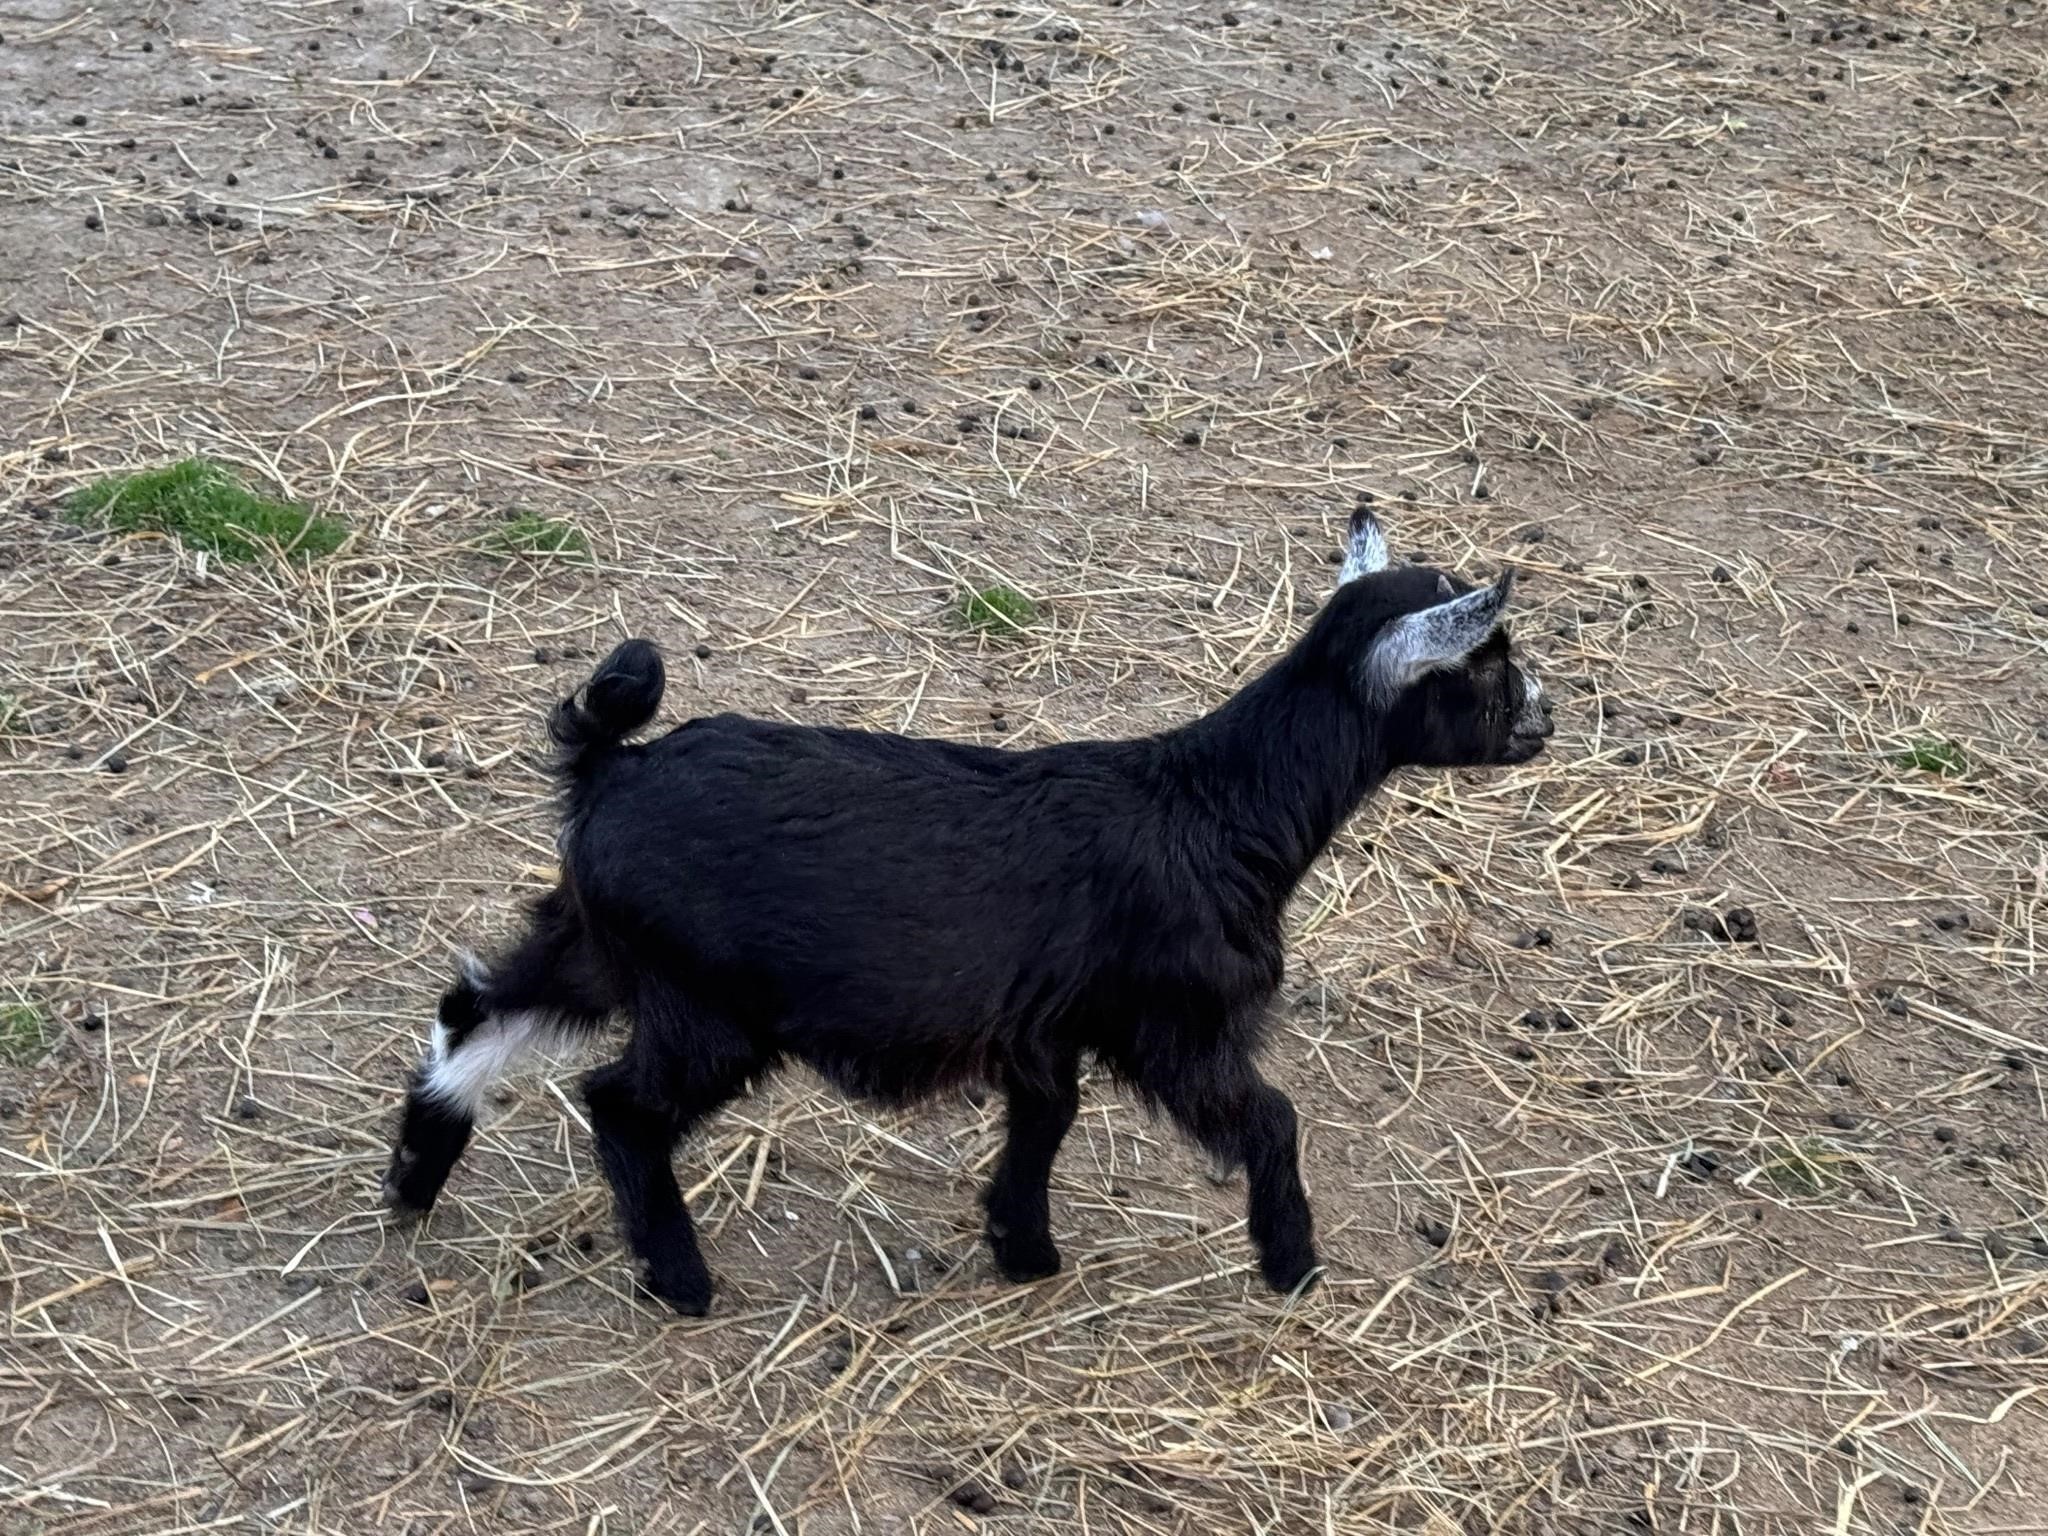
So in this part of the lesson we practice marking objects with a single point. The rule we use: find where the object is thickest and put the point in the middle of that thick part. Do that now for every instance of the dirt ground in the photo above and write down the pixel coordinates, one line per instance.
(1722, 322)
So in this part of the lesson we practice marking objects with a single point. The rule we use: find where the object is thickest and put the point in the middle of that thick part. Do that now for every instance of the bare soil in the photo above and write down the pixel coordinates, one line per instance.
(1722, 322)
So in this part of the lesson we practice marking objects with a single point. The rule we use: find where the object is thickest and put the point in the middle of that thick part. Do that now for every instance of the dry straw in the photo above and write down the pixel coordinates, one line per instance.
(1722, 323)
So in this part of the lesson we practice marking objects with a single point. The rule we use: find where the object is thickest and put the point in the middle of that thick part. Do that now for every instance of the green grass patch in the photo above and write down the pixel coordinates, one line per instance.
(1931, 756)
(1807, 1168)
(24, 1033)
(528, 533)
(205, 507)
(996, 610)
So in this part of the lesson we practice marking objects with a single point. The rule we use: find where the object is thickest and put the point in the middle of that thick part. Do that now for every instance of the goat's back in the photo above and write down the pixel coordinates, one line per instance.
(858, 892)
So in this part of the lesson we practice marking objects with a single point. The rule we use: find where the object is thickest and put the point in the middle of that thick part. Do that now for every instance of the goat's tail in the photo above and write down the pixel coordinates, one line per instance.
(620, 697)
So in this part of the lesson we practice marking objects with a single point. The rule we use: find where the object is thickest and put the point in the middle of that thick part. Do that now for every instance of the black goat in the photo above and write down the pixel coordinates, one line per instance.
(906, 914)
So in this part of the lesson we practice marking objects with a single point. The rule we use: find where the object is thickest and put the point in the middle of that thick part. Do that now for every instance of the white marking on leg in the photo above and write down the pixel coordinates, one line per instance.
(460, 1075)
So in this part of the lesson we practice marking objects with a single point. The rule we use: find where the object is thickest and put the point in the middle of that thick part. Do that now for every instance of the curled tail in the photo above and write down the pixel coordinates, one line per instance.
(620, 697)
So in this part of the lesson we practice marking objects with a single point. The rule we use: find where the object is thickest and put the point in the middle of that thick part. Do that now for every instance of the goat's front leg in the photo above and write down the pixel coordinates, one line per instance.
(1018, 1199)
(1238, 1117)
(1282, 1227)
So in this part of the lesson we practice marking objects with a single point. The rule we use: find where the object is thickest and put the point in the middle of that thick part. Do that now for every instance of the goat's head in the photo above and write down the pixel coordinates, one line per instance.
(1433, 655)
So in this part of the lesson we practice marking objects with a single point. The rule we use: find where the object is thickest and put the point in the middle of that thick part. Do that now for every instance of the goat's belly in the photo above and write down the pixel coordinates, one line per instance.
(898, 1072)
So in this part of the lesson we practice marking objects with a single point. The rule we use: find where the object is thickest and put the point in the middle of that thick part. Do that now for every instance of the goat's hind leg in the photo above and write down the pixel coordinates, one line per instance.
(485, 1022)
(439, 1116)
(679, 1068)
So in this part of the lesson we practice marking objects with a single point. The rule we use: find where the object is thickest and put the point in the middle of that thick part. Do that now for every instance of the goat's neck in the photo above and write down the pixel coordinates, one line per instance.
(1282, 765)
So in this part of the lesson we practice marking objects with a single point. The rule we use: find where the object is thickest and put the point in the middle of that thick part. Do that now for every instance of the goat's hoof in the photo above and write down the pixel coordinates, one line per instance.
(403, 1203)
(686, 1297)
(1288, 1273)
(1024, 1259)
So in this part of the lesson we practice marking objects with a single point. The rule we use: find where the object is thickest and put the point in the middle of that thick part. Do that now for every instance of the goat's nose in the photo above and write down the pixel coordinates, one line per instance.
(1549, 725)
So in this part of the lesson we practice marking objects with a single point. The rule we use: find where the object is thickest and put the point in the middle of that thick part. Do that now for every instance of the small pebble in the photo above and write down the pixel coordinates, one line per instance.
(1337, 1417)
(416, 1293)
(247, 1109)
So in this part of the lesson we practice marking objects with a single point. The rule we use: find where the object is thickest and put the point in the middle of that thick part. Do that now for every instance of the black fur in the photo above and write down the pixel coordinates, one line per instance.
(906, 914)
(431, 1138)
(620, 697)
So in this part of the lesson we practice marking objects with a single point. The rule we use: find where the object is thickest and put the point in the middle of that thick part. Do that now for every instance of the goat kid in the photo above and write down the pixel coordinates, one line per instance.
(904, 914)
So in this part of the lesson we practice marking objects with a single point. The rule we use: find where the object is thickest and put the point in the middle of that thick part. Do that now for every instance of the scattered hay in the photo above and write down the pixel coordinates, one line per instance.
(819, 320)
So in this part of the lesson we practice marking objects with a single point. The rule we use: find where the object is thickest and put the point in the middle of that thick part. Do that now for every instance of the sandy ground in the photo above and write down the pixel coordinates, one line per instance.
(1723, 322)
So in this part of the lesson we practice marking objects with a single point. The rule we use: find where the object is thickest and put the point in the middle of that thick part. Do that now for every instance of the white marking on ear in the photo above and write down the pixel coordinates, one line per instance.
(1365, 548)
(1437, 637)
(461, 1075)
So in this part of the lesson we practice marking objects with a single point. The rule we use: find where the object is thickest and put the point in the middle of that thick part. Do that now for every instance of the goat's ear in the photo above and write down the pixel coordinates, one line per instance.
(1433, 638)
(1365, 548)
